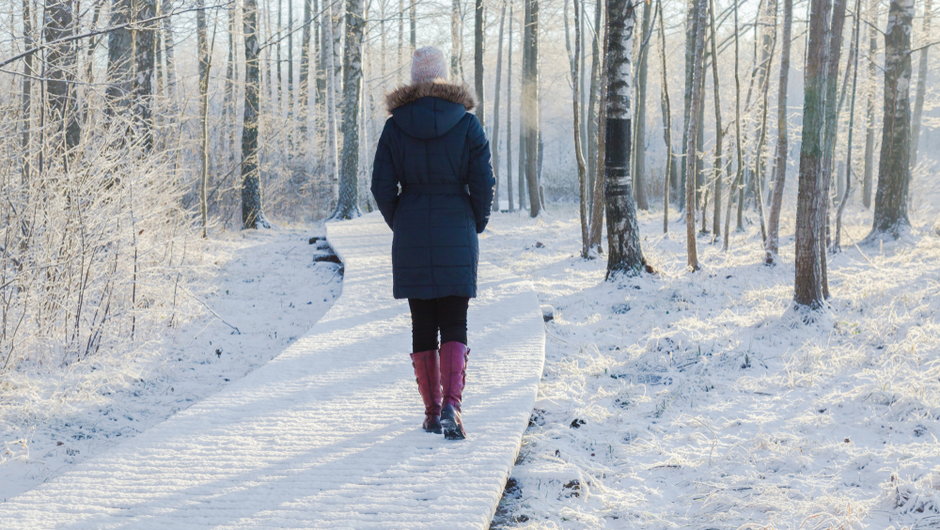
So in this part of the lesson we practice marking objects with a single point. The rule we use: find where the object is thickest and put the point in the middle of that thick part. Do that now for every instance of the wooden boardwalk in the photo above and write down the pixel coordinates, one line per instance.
(328, 433)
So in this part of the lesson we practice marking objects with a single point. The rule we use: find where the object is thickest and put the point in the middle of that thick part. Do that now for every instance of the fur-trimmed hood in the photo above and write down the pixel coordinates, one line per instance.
(438, 89)
(429, 110)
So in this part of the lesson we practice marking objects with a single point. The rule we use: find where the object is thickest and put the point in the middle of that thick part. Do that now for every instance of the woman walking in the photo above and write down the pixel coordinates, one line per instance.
(438, 154)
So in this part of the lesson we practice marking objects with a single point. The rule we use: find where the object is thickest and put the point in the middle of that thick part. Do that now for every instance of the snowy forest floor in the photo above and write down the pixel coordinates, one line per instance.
(265, 283)
(703, 399)
(678, 399)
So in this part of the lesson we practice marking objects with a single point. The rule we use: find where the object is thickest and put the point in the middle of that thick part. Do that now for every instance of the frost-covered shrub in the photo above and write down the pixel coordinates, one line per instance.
(92, 248)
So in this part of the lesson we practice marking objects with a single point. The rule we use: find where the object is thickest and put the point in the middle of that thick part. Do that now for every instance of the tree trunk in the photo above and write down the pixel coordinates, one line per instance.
(169, 45)
(921, 83)
(347, 207)
(456, 42)
(598, 186)
(331, 72)
(496, 95)
(719, 131)
(667, 121)
(120, 58)
(278, 81)
(810, 280)
(844, 199)
(736, 188)
(290, 68)
(780, 162)
(229, 120)
(142, 85)
(894, 169)
(204, 65)
(574, 59)
(478, 59)
(336, 14)
(304, 79)
(768, 44)
(686, 103)
(639, 126)
(59, 75)
(530, 104)
(509, 115)
(697, 36)
(27, 89)
(593, 119)
(252, 211)
(623, 237)
(870, 105)
(413, 20)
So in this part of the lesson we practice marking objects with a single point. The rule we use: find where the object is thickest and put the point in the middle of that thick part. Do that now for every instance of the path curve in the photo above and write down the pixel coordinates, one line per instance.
(328, 433)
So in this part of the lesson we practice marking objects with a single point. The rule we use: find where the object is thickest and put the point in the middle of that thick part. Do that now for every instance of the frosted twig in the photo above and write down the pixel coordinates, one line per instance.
(201, 301)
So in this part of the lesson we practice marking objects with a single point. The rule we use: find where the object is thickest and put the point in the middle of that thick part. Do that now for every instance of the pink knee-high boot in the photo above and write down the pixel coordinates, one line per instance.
(453, 378)
(428, 374)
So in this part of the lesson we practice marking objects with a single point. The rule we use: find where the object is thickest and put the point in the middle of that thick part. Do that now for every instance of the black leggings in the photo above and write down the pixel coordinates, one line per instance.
(448, 314)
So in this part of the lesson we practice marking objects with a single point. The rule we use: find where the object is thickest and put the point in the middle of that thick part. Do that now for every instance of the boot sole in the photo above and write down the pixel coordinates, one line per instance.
(434, 430)
(452, 430)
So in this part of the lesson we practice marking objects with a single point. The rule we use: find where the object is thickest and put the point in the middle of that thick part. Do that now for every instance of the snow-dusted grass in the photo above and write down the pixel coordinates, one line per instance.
(705, 400)
(264, 283)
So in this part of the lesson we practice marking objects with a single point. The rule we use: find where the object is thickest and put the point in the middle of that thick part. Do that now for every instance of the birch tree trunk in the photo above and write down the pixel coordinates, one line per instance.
(456, 42)
(667, 121)
(719, 131)
(921, 90)
(780, 160)
(894, 169)
(252, 211)
(347, 206)
(509, 118)
(228, 97)
(736, 188)
(413, 21)
(870, 105)
(304, 73)
(592, 111)
(169, 46)
(697, 36)
(26, 94)
(204, 64)
(496, 96)
(276, 35)
(844, 199)
(574, 59)
(521, 169)
(598, 200)
(623, 237)
(330, 148)
(639, 126)
(530, 104)
(686, 103)
(290, 73)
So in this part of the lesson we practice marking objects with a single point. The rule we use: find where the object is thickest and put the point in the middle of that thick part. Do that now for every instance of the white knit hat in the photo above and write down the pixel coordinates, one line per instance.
(428, 64)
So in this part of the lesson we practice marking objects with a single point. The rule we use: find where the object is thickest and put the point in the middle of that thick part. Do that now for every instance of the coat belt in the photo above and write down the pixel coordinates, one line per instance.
(435, 187)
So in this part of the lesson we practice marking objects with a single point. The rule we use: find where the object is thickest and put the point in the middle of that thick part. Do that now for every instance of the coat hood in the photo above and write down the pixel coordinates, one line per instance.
(429, 110)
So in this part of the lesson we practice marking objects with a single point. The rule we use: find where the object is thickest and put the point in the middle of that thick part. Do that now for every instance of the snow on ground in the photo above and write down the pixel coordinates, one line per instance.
(264, 283)
(703, 400)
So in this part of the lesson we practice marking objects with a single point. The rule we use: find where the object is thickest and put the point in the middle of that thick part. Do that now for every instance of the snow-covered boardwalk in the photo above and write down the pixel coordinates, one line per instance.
(328, 433)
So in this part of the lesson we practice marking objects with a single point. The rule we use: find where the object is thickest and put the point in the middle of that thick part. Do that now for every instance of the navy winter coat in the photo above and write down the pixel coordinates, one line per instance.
(433, 182)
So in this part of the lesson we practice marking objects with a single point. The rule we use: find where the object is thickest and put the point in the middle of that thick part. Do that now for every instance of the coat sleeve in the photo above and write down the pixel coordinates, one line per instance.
(480, 173)
(384, 176)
